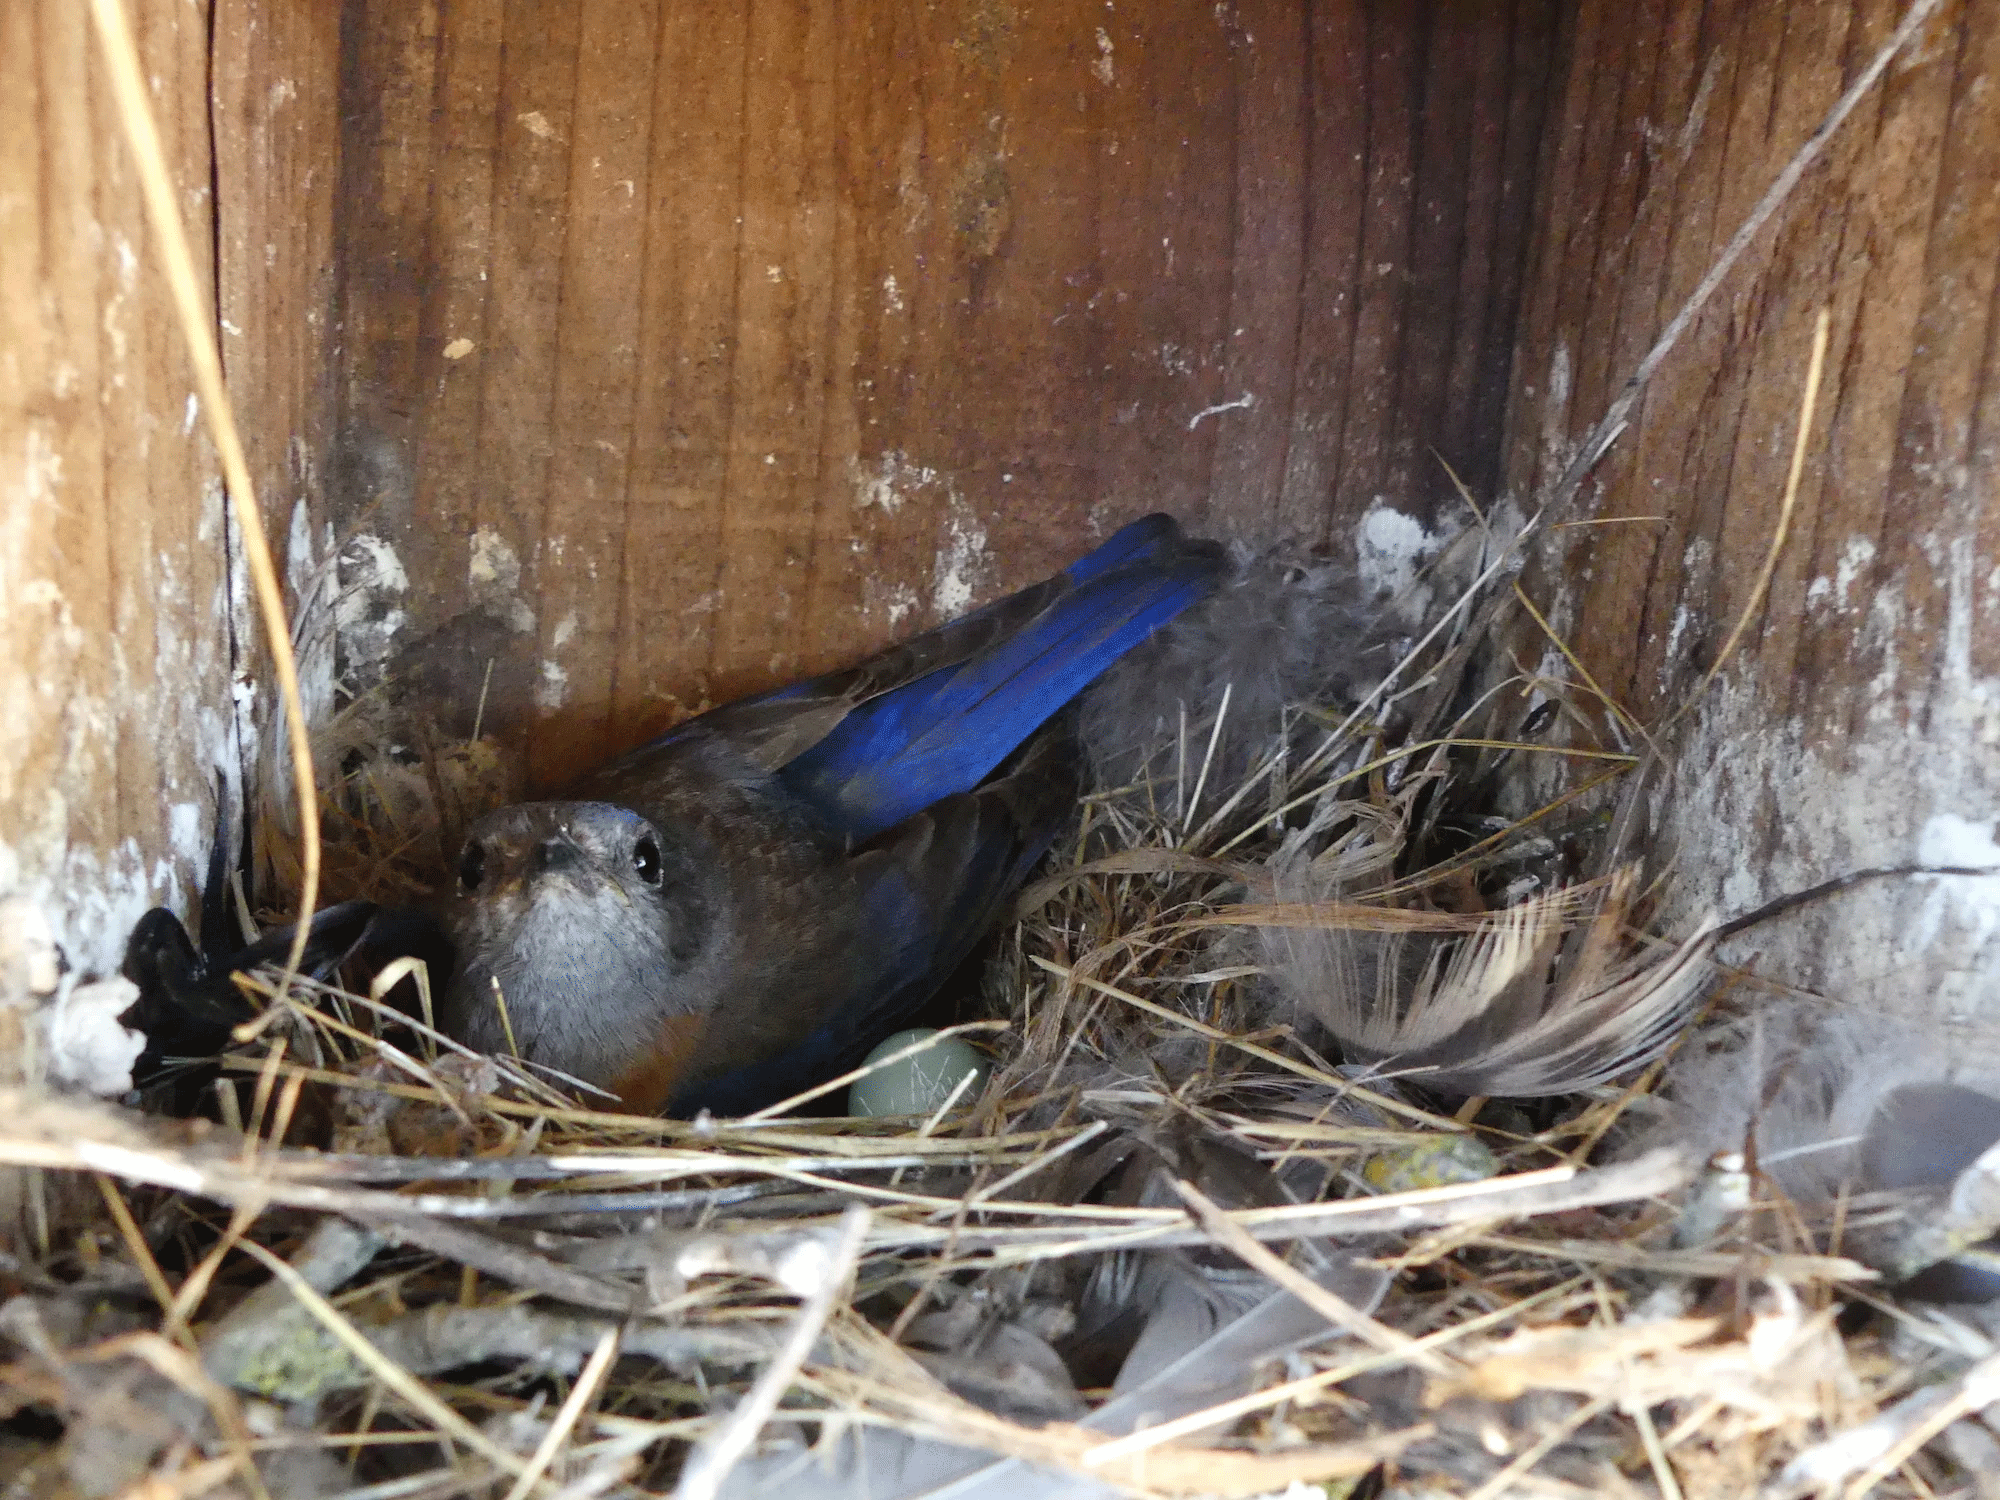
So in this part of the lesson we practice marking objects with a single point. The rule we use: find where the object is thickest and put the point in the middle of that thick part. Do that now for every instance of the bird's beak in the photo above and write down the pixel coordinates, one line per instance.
(554, 855)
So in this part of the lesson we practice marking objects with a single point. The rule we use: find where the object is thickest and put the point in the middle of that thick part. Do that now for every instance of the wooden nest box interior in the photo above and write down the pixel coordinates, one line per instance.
(597, 360)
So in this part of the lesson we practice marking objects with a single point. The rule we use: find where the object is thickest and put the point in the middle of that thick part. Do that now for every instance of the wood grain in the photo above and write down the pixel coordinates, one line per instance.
(123, 639)
(673, 349)
(114, 662)
(1856, 725)
(689, 347)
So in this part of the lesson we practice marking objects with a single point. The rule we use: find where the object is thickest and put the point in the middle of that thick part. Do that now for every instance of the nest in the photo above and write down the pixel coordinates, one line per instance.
(1171, 1247)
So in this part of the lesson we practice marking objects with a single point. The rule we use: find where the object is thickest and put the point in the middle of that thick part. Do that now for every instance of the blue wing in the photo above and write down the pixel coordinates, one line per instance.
(867, 747)
(900, 750)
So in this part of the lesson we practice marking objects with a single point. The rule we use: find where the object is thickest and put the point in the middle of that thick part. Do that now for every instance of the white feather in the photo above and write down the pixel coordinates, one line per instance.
(1529, 1003)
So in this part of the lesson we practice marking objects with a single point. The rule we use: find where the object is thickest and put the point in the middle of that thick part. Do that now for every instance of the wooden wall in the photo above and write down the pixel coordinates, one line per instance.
(648, 351)
(687, 346)
(109, 559)
(276, 135)
(121, 623)
(1860, 723)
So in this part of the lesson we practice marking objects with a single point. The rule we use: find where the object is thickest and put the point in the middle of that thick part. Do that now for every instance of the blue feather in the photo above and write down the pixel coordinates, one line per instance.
(1129, 544)
(880, 727)
(897, 753)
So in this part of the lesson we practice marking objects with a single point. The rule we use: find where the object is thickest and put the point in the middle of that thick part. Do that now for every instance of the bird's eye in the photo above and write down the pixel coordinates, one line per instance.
(646, 859)
(472, 866)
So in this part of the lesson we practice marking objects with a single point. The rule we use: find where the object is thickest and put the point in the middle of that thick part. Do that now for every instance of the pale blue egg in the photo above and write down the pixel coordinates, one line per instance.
(920, 1082)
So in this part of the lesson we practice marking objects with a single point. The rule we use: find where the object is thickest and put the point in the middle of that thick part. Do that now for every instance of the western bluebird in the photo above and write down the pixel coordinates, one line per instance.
(742, 907)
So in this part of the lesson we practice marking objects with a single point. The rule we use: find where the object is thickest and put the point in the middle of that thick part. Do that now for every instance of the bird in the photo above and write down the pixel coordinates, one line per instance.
(740, 909)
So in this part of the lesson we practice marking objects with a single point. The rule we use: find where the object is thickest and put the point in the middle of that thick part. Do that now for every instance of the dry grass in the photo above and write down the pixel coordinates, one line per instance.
(481, 1285)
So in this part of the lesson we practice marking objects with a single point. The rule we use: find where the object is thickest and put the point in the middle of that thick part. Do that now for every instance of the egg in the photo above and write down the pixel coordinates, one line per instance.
(920, 1083)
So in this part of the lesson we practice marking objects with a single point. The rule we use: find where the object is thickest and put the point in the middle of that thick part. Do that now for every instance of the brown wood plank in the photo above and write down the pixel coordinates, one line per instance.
(388, 62)
(276, 120)
(1539, 391)
(1160, 370)
(686, 318)
(1267, 262)
(864, 583)
(1944, 453)
(924, 300)
(1675, 230)
(598, 351)
(100, 328)
(1491, 349)
(114, 611)
(1336, 200)
(1485, 73)
(510, 551)
(1855, 722)
(455, 250)
(1672, 464)
(778, 376)
(1612, 166)
(1445, 275)
(1381, 289)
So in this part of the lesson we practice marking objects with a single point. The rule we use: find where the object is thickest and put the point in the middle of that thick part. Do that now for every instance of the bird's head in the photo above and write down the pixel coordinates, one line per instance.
(576, 925)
